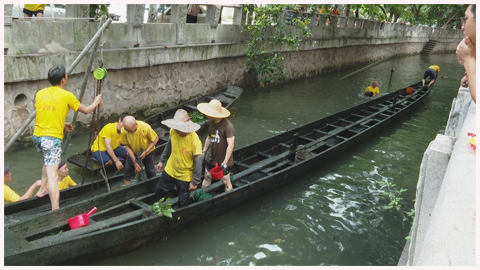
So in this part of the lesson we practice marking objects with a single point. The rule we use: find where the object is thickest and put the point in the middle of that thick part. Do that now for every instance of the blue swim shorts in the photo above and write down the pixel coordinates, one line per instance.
(50, 148)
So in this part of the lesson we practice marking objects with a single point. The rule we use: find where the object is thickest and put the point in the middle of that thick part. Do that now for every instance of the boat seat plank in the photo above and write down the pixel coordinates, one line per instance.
(190, 106)
(262, 154)
(140, 204)
(306, 138)
(278, 165)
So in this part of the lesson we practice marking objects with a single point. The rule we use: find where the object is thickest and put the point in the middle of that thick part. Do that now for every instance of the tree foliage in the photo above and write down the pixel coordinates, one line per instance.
(415, 14)
(268, 32)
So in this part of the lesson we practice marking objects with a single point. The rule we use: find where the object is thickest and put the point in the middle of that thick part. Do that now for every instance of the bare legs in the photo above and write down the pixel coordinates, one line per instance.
(50, 176)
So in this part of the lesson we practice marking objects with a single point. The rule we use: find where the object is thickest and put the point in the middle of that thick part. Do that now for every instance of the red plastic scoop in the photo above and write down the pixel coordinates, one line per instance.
(80, 220)
(216, 172)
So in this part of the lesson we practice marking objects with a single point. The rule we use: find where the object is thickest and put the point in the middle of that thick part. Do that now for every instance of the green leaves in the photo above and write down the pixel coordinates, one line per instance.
(196, 117)
(394, 195)
(164, 209)
(268, 34)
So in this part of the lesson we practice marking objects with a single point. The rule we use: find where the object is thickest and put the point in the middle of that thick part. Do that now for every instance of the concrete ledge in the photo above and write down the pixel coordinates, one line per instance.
(444, 230)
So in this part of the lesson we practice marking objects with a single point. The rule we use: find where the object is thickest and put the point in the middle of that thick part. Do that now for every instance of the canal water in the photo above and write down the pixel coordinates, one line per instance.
(334, 215)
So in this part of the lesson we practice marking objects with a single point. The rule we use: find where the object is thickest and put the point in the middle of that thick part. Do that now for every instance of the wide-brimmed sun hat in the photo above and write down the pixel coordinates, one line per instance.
(213, 109)
(182, 122)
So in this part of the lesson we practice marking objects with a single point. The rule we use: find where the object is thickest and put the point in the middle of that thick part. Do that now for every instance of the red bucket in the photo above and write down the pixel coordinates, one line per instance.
(409, 90)
(80, 220)
(216, 172)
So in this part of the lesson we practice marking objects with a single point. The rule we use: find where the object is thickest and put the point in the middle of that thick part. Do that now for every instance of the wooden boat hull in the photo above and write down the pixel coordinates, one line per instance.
(122, 224)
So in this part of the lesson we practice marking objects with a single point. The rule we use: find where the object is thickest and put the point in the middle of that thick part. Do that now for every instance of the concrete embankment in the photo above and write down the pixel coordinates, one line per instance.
(444, 228)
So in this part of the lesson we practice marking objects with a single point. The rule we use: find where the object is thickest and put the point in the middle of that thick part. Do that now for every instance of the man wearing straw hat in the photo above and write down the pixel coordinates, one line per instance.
(221, 140)
(138, 136)
(184, 154)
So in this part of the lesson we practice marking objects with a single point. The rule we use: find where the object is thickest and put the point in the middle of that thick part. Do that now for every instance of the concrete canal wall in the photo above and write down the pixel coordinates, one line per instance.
(153, 66)
(444, 228)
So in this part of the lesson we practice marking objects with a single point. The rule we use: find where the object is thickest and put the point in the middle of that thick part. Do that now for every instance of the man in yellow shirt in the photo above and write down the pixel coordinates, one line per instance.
(372, 91)
(11, 196)
(185, 159)
(106, 147)
(138, 136)
(33, 9)
(431, 72)
(53, 105)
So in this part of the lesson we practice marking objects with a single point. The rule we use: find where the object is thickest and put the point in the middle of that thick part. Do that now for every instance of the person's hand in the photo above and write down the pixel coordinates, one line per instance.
(192, 187)
(143, 155)
(465, 50)
(225, 168)
(98, 99)
(119, 165)
(464, 81)
(68, 127)
(137, 168)
(160, 166)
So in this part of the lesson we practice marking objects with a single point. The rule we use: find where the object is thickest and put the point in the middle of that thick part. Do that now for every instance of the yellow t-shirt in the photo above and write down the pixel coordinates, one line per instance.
(180, 163)
(53, 104)
(34, 7)
(109, 131)
(66, 183)
(375, 90)
(140, 139)
(436, 68)
(9, 195)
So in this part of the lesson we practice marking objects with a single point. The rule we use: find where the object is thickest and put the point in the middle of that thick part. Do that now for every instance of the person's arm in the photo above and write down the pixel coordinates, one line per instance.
(132, 157)
(208, 142)
(165, 155)
(30, 190)
(108, 146)
(197, 171)
(149, 147)
(229, 152)
(466, 55)
(88, 109)
(471, 70)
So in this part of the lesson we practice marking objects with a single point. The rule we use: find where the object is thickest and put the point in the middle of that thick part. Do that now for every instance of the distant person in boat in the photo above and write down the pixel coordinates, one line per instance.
(139, 139)
(64, 180)
(53, 104)
(11, 196)
(466, 50)
(372, 91)
(106, 148)
(184, 154)
(220, 140)
(431, 72)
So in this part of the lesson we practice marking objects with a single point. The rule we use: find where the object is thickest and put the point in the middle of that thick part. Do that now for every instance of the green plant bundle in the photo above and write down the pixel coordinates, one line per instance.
(201, 195)
(164, 209)
(196, 117)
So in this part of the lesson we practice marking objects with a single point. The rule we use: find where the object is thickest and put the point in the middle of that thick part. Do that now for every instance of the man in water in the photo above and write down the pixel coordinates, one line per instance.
(372, 91)
(11, 196)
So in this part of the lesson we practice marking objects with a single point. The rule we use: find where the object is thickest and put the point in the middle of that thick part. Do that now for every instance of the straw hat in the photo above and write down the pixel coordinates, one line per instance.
(181, 121)
(213, 109)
